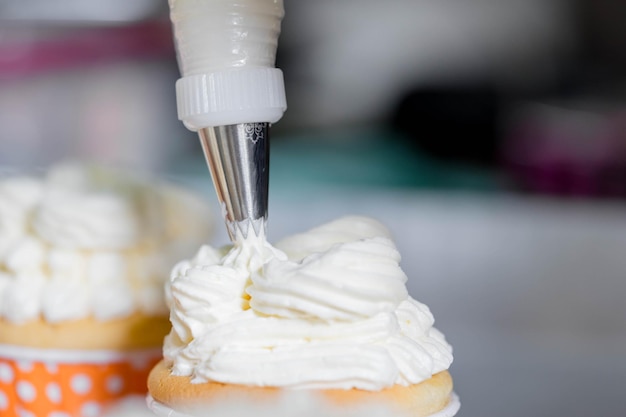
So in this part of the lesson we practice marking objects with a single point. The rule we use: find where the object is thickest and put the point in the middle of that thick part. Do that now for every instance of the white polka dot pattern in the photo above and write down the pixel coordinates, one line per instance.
(26, 391)
(80, 384)
(25, 366)
(6, 373)
(90, 409)
(25, 413)
(52, 368)
(53, 392)
(32, 388)
(115, 384)
(4, 401)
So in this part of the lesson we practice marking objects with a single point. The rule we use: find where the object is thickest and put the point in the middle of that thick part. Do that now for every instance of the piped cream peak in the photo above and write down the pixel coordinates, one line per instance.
(323, 309)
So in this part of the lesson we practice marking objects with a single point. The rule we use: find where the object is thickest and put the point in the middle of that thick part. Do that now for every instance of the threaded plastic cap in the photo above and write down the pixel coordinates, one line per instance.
(221, 98)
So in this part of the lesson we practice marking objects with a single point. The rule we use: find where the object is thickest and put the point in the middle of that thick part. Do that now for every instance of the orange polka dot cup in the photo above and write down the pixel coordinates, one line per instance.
(69, 383)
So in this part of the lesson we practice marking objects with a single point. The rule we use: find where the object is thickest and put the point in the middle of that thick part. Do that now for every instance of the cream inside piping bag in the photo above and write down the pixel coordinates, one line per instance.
(230, 93)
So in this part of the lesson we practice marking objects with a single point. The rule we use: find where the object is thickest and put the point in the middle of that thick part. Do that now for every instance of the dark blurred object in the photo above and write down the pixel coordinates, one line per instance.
(455, 123)
(603, 33)
(347, 63)
(568, 149)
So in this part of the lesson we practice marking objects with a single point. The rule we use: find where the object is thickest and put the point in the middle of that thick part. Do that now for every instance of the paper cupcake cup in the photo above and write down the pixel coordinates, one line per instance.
(69, 383)
(161, 410)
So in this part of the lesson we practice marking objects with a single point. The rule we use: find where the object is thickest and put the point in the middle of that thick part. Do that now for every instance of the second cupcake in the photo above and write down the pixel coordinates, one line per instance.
(84, 254)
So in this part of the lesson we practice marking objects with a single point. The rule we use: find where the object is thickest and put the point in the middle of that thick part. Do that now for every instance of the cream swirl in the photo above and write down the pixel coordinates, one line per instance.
(95, 209)
(348, 281)
(333, 314)
(90, 242)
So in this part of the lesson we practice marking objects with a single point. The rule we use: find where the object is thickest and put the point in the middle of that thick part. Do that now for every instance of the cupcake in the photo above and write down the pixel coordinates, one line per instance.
(82, 309)
(319, 324)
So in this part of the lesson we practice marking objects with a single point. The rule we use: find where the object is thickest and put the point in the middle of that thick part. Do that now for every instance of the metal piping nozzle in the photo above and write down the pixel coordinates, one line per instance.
(238, 158)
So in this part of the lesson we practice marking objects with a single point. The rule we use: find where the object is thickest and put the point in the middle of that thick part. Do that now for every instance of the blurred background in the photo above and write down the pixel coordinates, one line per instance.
(490, 135)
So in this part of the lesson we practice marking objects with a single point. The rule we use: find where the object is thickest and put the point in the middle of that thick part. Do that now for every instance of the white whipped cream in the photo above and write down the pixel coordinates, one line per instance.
(329, 310)
(89, 242)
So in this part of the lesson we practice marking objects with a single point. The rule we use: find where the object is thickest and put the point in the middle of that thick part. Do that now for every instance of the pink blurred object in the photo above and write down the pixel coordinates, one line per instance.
(28, 51)
(574, 150)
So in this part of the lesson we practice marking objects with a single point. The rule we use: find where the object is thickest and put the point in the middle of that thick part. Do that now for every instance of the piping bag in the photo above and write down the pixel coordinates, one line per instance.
(230, 93)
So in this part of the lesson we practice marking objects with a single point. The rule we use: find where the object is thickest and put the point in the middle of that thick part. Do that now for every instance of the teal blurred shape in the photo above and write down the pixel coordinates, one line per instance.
(361, 158)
